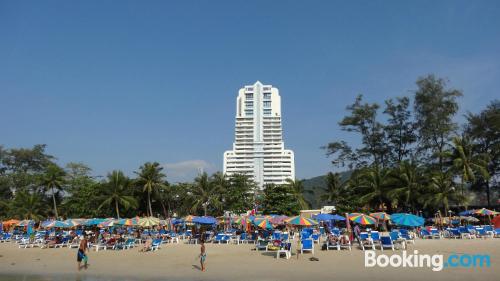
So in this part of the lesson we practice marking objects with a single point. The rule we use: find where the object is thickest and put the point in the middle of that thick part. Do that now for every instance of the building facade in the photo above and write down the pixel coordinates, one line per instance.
(258, 149)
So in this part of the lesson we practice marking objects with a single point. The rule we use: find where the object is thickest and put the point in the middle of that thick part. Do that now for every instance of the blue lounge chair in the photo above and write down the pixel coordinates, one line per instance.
(365, 241)
(375, 235)
(405, 234)
(424, 233)
(156, 244)
(307, 246)
(386, 242)
(436, 233)
(315, 237)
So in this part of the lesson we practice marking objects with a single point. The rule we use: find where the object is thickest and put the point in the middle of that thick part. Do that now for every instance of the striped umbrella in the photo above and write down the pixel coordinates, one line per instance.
(362, 218)
(25, 223)
(405, 219)
(300, 220)
(383, 216)
(278, 220)
(149, 221)
(10, 222)
(128, 222)
(263, 223)
(108, 223)
(485, 212)
(75, 222)
(59, 224)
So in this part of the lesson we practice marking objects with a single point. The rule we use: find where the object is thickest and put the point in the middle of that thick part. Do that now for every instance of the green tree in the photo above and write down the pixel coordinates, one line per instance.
(278, 199)
(27, 205)
(374, 185)
(484, 130)
(205, 194)
(117, 192)
(466, 162)
(400, 129)
(335, 191)
(435, 106)
(296, 188)
(150, 178)
(441, 191)
(407, 184)
(239, 193)
(53, 179)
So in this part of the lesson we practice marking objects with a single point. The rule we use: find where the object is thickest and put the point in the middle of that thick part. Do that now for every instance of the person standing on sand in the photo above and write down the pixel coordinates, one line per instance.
(81, 255)
(203, 255)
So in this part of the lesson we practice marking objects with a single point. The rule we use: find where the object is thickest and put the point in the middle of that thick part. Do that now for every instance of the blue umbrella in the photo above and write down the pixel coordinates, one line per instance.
(205, 220)
(91, 222)
(177, 221)
(338, 218)
(466, 213)
(407, 219)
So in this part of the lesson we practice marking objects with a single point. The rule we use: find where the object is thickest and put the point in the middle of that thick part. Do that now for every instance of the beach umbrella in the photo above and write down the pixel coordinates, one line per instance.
(485, 212)
(278, 220)
(338, 218)
(189, 218)
(383, 216)
(177, 221)
(108, 223)
(300, 220)
(149, 221)
(75, 222)
(466, 213)
(127, 222)
(496, 222)
(94, 221)
(469, 219)
(25, 223)
(405, 219)
(205, 220)
(58, 224)
(362, 219)
(263, 223)
(10, 222)
(323, 217)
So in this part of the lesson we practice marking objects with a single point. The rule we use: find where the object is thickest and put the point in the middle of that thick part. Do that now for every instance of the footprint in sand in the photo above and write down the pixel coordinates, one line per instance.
(13, 263)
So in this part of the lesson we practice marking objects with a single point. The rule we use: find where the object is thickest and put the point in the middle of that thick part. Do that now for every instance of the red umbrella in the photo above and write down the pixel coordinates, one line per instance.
(496, 222)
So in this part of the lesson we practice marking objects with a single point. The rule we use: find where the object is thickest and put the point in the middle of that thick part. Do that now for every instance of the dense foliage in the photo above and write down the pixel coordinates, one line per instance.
(417, 158)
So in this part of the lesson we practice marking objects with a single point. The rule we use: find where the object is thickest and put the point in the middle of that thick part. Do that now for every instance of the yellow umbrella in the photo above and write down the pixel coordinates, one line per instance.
(149, 221)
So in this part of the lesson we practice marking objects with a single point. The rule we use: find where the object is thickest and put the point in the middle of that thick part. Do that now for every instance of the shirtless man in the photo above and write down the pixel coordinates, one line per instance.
(81, 255)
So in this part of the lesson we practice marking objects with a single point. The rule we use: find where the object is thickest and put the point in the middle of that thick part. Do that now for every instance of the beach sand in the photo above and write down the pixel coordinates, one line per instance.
(239, 262)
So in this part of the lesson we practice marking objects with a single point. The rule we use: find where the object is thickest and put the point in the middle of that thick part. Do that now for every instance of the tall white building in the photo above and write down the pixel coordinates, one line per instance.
(258, 149)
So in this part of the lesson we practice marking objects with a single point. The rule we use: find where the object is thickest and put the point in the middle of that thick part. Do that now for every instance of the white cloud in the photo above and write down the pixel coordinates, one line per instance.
(187, 170)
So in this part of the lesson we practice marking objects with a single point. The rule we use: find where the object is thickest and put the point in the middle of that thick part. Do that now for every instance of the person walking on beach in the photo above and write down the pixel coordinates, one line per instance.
(203, 255)
(81, 255)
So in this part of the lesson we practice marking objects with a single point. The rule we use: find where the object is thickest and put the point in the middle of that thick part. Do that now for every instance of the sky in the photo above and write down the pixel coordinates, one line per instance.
(114, 84)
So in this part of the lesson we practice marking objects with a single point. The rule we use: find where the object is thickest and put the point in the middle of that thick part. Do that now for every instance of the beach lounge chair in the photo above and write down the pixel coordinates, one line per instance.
(465, 233)
(307, 246)
(218, 238)
(405, 234)
(285, 237)
(436, 234)
(130, 243)
(99, 246)
(397, 240)
(386, 242)
(496, 232)
(277, 236)
(261, 245)
(285, 250)
(375, 236)
(365, 241)
(481, 233)
(330, 245)
(64, 242)
(243, 238)
(424, 233)
(155, 246)
(454, 233)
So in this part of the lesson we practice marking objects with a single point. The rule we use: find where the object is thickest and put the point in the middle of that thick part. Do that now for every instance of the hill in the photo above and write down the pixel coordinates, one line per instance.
(317, 185)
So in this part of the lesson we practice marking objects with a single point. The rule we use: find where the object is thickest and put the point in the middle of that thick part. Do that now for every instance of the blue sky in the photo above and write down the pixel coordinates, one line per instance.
(116, 83)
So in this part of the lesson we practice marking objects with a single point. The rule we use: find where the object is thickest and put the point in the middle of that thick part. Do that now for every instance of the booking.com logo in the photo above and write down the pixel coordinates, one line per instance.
(435, 262)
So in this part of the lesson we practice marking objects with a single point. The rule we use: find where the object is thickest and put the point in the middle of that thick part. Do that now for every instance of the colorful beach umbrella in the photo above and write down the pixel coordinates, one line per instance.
(205, 220)
(108, 223)
(278, 220)
(10, 222)
(94, 221)
(263, 223)
(25, 223)
(149, 221)
(75, 222)
(300, 220)
(381, 216)
(127, 222)
(485, 212)
(58, 224)
(362, 219)
(405, 219)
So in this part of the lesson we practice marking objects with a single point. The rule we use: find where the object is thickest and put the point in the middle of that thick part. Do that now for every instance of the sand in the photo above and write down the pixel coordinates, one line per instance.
(239, 262)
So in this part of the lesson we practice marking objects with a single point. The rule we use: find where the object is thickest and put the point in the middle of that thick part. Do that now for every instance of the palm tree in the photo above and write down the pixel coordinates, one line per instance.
(468, 163)
(53, 179)
(407, 179)
(150, 178)
(297, 190)
(335, 189)
(116, 192)
(205, 193)
(374, 182)
(27, 206)
(441, 191)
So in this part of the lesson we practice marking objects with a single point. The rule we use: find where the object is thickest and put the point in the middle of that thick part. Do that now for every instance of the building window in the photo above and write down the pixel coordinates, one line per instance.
(249, 96)
(267, 103)
(267, 96)
(267, 112)
(248, 112)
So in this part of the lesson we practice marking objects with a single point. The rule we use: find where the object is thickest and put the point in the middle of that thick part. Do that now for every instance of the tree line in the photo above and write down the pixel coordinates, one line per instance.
(413, 155)
(33, 186)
